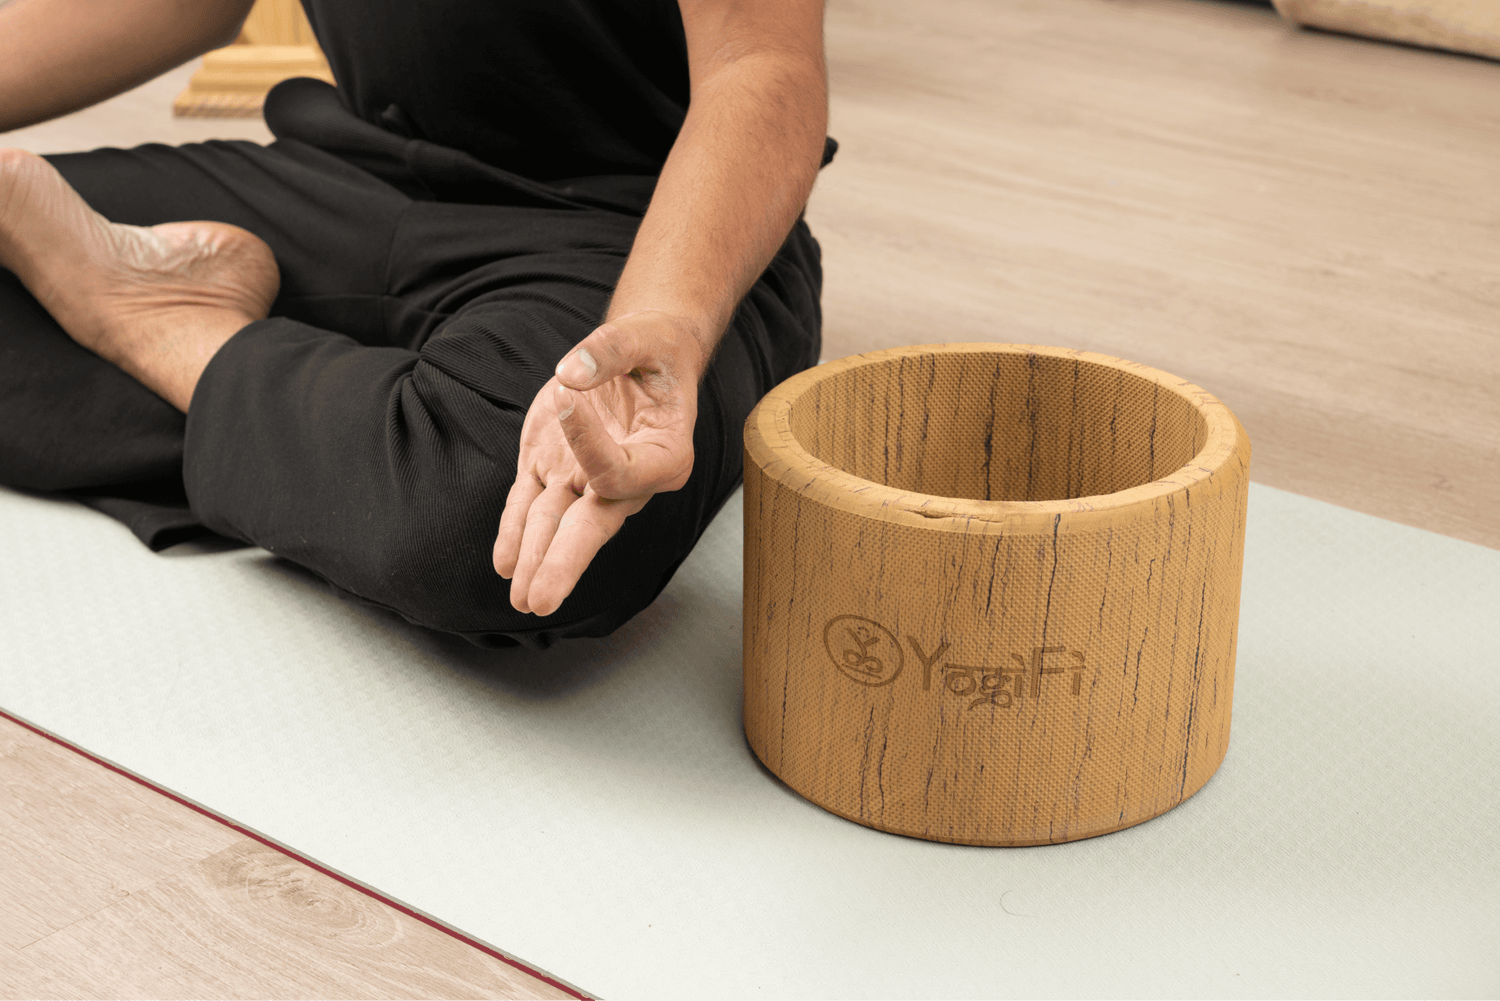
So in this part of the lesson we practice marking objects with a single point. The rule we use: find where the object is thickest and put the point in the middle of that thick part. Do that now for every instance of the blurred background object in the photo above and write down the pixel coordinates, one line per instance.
(275, 43)
(1471, 26)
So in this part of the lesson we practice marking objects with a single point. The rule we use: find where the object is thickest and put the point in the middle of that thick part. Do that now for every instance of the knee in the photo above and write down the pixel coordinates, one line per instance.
(434, 567)
(438, 572)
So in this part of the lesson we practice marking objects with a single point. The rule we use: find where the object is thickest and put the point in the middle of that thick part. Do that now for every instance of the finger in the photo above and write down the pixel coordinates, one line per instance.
(617, 470)
(513, 521)
(614, 349)
(583, 531)
(542, 521)
(594, 449)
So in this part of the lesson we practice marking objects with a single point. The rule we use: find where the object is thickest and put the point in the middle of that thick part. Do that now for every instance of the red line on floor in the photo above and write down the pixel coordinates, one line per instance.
(571, 992)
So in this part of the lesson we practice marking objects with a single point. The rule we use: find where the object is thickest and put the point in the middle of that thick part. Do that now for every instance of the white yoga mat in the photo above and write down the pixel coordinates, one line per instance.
(595, 811)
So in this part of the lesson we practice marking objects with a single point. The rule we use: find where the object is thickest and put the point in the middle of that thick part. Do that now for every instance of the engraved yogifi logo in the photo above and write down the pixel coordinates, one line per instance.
(863, 650)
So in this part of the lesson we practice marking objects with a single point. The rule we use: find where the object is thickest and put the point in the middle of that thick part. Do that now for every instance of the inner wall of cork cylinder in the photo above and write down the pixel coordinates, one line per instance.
(1003, 426)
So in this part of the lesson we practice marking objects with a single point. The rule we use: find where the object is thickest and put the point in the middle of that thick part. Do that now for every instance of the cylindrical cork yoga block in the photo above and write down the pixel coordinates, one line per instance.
(992, 590)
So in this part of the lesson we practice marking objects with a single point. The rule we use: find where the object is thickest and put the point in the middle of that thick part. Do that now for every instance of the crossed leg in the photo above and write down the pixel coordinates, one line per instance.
(368, 428)
(156, 301)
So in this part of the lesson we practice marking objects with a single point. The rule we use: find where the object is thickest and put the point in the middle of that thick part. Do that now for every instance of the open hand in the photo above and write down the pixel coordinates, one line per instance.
(610, 430)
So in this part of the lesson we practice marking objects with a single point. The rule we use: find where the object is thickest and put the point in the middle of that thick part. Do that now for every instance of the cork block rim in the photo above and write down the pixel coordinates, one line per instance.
(772, 445)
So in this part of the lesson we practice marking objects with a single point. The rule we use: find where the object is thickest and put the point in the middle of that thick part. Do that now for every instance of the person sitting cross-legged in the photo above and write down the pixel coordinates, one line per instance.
(474, 339)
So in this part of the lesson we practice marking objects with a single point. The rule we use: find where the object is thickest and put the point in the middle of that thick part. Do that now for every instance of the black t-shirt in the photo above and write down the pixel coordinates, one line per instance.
(548, 89)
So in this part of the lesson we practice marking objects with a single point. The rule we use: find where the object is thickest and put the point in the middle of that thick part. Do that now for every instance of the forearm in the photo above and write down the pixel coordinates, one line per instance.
(57, 56)
(736, 181)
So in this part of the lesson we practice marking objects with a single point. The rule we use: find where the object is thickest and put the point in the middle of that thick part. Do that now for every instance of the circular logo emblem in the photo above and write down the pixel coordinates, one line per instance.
(862, 649)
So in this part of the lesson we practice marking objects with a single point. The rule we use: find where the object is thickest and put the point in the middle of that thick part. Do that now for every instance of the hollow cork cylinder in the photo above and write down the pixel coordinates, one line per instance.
(992, 590)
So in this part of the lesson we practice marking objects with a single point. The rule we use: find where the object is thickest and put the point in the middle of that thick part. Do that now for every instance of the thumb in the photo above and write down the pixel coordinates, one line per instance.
(611, 350)
(599, 357)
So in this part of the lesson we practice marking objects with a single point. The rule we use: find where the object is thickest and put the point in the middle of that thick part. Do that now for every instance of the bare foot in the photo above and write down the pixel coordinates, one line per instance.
(157, 301)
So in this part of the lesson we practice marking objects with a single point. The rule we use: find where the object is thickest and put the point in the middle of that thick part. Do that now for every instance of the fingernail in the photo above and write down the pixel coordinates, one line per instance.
(578, 367)
(563, 397)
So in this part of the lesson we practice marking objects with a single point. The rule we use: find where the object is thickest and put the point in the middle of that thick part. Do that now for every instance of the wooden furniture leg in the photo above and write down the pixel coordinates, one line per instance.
(275, 43)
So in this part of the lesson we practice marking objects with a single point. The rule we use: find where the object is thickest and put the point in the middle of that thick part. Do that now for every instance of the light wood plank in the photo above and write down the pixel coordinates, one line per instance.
(75, 840)
(110, 889)
(1304, 224)
(251, 922)
(22, 977)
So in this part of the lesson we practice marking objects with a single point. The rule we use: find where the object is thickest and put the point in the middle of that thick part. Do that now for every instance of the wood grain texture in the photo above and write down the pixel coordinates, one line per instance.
(250, 921)
(1303, 224)
(109, 889)
(97, 836)
(992, 591)
(23, 977)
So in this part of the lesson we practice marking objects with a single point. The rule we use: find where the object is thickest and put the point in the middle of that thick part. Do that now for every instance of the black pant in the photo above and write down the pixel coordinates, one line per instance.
(369, 429)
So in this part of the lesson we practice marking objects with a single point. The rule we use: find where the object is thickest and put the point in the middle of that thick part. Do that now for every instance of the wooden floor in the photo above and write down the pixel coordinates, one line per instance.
(110, 889)
(1304, 224)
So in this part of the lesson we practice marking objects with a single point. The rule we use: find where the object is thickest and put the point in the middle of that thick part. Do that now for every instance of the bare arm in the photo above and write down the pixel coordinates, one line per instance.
(615, 426)
(57, 56)
(743, 165)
